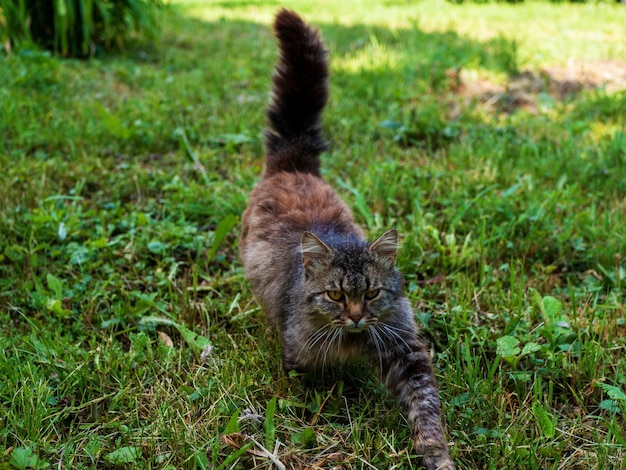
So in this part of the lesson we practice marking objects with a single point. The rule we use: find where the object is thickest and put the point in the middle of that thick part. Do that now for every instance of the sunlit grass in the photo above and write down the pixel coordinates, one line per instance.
(586, 31)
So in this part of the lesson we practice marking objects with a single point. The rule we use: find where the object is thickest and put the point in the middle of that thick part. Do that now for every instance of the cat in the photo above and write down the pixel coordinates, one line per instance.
(332, 295)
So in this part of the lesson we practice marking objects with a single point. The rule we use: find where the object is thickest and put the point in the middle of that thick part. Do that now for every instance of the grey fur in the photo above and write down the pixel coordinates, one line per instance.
(333, 296)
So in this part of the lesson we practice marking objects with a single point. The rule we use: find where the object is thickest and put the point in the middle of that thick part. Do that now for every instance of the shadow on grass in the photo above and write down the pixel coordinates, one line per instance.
(212, 80)
(417, 54)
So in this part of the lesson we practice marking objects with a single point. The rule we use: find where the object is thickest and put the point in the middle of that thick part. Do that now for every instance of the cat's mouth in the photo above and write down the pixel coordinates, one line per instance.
(355, 327)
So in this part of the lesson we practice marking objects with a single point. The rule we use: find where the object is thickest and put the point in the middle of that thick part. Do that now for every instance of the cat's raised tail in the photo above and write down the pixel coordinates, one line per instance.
(294, 139)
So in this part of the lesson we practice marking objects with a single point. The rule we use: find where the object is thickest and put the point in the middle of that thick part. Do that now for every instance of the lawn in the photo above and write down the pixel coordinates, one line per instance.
(492, 136)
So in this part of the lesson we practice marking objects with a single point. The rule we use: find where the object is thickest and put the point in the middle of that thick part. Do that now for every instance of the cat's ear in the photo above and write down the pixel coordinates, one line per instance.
(312, 248)
(386, 246)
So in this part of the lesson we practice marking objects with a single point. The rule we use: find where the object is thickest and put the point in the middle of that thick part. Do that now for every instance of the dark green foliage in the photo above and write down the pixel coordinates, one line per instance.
(77, 28)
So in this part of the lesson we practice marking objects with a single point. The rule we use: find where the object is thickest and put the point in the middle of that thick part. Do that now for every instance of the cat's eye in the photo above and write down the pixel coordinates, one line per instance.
(372, 294)
(335, 295)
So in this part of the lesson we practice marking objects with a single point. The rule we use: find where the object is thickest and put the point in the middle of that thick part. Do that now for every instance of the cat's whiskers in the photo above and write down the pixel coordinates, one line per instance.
(330, 339)
(340, 341)
(389, 334)
(317, 336)
(392, 333)
(396, 328)
(377, 340)
(324, 336)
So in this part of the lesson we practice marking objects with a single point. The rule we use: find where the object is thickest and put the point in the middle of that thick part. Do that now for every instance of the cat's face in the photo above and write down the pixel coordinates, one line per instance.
(352, 287)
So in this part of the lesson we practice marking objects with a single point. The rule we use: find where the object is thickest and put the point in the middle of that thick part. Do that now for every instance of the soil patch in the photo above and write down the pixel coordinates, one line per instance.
(524, 91)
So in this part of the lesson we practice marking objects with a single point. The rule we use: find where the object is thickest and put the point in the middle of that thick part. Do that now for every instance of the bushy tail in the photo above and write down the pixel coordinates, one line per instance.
(294, 139)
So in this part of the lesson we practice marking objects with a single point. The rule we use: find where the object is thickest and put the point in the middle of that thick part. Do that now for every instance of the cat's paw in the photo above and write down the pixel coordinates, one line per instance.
(442, 461)
(436, 457)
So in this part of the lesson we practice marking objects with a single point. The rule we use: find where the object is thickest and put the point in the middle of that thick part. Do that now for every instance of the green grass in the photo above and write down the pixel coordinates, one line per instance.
(123, 181)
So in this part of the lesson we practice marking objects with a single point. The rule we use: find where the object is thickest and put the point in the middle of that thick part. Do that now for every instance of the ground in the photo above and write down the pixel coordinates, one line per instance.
(526, 89)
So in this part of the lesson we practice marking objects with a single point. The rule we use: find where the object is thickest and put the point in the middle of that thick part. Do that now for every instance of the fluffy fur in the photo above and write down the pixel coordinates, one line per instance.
(332, 295)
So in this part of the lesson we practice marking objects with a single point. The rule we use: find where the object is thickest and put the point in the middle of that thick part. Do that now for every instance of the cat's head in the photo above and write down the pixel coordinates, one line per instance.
(350, 284)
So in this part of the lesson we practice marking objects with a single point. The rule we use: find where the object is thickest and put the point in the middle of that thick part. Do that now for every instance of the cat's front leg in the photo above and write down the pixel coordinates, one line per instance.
(297, 353)
(408, 373)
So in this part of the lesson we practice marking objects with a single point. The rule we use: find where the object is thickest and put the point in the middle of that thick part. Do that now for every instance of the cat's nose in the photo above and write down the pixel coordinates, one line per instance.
(356, 318)
(355, 313)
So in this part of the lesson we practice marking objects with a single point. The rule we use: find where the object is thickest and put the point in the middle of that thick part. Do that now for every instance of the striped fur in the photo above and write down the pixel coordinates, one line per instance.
(332, 295)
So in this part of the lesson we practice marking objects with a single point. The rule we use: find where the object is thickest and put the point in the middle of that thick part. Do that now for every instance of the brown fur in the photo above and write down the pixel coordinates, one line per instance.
(332, 296)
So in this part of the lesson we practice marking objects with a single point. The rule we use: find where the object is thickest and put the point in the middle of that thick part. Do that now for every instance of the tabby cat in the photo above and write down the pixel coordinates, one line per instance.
(332, 295)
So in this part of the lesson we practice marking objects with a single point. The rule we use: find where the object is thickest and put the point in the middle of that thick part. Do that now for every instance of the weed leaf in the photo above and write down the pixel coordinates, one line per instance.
(609, 405)
(306, 438)
(15, 253)
(62, 231)
(235, 455)
(551, 308)
(233, 423)
(220, 233)
(390, 124)
(196, 341)
(114, 125)
(268, 424)
(545, 421)
(23, 457)
(202, 461)
(149, 301)
(157, 247)
(507, 346)
(124, 455)
(615, 393)
(55, 285)
(530, 348)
